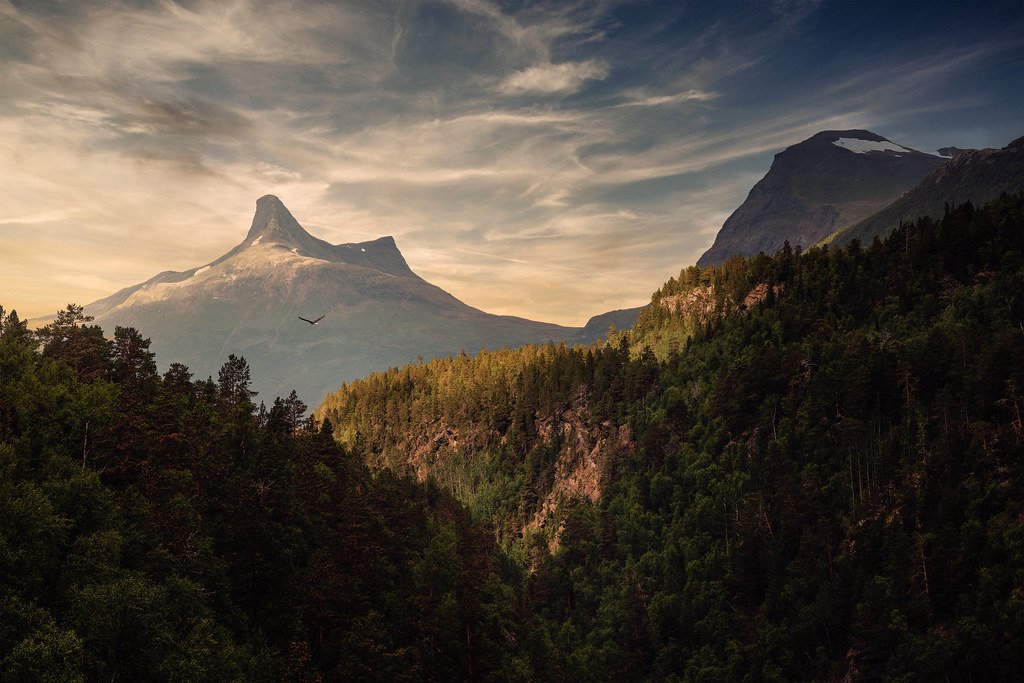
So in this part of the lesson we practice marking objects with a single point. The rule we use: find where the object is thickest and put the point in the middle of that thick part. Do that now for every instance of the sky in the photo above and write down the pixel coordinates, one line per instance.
(547, 160)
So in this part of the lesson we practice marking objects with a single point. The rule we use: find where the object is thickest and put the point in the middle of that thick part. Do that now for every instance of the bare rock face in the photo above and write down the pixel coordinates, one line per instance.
(377, 312)
(584, 461)
(952, 152)
(829, 181)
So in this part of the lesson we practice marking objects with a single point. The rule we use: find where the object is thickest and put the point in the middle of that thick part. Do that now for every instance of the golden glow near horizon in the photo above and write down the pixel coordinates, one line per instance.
(552, 164)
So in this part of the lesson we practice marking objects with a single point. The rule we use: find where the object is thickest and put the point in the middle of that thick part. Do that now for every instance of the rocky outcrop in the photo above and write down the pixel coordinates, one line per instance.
(699, 303)
(589, 449)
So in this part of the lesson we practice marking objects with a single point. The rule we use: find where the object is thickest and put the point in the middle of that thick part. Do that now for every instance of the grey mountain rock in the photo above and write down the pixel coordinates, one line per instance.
(952, 152)
(829, 181)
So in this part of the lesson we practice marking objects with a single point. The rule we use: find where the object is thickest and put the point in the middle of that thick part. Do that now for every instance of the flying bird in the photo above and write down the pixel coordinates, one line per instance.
(311, 322)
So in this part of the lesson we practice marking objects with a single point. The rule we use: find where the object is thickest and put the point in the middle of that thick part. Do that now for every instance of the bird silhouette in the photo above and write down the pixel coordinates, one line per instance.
(311, 322)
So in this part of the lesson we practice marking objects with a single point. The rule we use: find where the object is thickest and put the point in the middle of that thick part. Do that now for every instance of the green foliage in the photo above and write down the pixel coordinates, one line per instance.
(826, 480)
(491, 429)
(160, 528)
(834, 477)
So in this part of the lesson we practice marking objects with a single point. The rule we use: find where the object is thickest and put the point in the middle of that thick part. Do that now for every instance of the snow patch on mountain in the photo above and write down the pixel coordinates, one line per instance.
(859, 146)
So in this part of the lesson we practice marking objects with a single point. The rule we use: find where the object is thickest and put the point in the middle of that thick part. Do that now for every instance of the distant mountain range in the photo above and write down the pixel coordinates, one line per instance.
(834, 186)
(978, 176)
(599, 325)
(816, 187)
(377, 312)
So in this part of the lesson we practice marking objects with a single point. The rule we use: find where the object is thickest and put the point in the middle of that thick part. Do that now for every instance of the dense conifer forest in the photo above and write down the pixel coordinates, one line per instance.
(804, 466)
(165, 528)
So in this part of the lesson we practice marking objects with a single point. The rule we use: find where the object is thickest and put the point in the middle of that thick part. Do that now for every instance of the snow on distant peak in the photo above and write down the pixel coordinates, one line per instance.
(859, 146)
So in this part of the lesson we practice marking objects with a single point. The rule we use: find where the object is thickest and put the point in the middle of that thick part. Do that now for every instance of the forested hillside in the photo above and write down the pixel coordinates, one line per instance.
(165, 528)
(803, 466)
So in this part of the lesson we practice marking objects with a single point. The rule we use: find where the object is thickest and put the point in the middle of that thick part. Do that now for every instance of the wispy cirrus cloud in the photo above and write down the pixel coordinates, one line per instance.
(692, 95)
(566, 77)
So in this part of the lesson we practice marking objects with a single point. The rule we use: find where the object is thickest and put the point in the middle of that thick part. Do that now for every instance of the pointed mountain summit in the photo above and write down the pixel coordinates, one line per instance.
(273, 227)
(831, 180)
(377, 312)
(273, 220)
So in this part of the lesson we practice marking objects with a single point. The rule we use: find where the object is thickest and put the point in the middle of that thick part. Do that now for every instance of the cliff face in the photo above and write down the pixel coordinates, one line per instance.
(570, 453)
(518, 435)
(587, 451)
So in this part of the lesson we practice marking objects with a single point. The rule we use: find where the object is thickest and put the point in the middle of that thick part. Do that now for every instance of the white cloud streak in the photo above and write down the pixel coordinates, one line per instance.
(567, 77)
(692, 95)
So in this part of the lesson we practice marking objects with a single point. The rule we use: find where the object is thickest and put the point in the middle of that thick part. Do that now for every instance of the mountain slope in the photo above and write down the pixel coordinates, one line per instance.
(972, 175)
(377, 312)
(829, 181)
(597, 327)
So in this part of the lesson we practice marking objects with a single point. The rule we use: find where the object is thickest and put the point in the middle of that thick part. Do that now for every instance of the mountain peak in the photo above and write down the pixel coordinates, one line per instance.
(856, 133)
(833, 179)
(274, 227)
(379, 313)
(273, 221)
(859, 141)
(854, 140)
